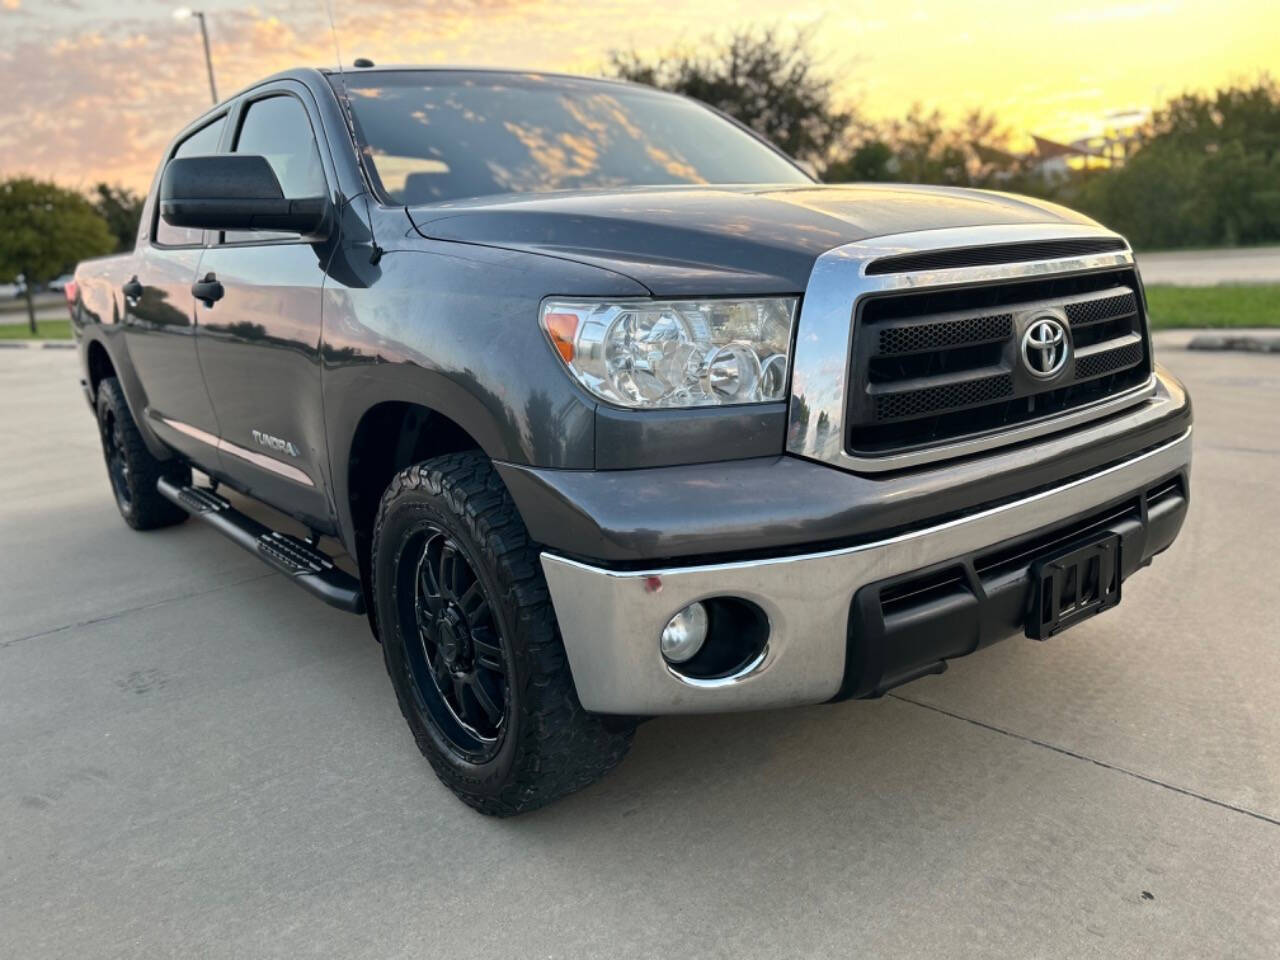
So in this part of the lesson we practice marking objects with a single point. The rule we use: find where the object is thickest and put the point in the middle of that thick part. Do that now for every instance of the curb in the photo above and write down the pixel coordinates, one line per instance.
(37, 345)
(1245, 343)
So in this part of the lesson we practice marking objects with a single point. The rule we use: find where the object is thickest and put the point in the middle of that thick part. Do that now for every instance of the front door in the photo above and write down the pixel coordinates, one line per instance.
(259, 342)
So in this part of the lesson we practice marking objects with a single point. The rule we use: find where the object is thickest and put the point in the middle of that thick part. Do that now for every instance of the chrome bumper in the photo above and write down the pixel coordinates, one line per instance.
(611, 620)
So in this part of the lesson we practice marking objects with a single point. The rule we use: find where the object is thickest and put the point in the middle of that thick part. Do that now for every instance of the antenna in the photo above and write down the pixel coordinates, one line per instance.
(376, 253)
(337, 47)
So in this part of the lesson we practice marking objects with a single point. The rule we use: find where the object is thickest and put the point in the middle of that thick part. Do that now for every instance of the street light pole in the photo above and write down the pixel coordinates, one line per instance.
(183, 13)
(208, 57)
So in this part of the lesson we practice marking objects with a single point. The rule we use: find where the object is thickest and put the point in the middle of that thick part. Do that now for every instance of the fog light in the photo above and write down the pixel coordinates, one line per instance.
(684, 633)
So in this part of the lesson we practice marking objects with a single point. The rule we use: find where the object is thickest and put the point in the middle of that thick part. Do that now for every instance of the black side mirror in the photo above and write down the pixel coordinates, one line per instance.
(235, 192)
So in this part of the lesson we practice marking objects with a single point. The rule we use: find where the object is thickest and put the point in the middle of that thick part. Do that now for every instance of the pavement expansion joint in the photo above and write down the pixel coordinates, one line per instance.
(1096, 762)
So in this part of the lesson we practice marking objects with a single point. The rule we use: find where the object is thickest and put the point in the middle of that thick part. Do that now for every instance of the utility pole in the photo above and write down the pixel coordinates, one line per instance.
(182, 13)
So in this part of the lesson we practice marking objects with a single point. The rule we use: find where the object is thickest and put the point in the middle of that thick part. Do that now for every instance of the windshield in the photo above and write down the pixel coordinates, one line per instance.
(431, 136)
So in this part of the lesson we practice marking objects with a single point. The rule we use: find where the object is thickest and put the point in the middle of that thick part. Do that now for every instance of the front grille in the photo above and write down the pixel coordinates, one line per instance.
(963, 393)
(931, 336)
(1085, 312)
(995, 253)
(1105, 361)
(937, 367)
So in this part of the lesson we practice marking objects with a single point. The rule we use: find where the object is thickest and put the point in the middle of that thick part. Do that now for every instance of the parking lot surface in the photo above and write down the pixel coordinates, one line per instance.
(198, 759)
(1206, 268)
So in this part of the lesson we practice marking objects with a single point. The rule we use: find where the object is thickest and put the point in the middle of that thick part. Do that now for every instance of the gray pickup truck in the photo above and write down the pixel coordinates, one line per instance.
(601, 408)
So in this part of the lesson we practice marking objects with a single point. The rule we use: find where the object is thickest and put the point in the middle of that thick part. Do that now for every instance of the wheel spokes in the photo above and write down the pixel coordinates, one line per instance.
(451, 571)
(488, 652)
(429, 580)
(463, 664)
(459, 684)
(117, 450)
(474, 604)
(117, 464)
(492, 710)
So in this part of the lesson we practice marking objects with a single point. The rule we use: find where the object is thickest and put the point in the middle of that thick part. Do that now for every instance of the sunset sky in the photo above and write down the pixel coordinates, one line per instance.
(97, 87)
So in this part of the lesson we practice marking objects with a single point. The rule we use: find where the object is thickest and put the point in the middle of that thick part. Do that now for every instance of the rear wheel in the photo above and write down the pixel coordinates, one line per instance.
(131, 468)
(471, 644)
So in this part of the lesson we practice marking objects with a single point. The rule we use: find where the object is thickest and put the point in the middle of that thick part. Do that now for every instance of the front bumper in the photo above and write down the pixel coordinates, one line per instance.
(822, 644)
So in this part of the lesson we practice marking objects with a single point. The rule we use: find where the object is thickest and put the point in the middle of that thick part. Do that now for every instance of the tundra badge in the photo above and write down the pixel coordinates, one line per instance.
(274, 443)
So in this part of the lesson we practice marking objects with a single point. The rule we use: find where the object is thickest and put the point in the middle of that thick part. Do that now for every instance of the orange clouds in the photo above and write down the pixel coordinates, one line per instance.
(97, 87)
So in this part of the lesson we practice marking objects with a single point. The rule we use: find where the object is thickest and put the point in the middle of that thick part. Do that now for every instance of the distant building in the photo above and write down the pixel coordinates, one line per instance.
(1120, 136)
(1053, 160)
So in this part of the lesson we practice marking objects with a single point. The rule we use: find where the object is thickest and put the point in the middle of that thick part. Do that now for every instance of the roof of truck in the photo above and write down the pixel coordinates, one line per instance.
(305, 74)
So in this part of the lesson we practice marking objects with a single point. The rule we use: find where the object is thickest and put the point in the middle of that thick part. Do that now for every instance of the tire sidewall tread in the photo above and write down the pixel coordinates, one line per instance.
(148, 510)
(551, 746)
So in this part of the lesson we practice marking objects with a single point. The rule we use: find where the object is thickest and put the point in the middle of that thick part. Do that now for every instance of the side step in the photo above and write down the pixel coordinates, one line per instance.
(307, 567)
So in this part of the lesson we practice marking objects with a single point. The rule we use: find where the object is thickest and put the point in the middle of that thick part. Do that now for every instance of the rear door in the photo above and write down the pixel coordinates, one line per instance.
(259, 344)
(159, 320)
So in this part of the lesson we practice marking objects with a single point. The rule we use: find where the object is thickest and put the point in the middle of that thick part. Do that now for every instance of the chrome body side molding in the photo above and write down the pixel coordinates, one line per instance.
(285, 470)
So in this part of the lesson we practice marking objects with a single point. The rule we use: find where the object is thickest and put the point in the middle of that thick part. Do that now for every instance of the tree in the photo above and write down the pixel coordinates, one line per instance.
(122, 209)
(1207, 172)
(872, 160)
(44, 229)
(922, 147)
(764, 80)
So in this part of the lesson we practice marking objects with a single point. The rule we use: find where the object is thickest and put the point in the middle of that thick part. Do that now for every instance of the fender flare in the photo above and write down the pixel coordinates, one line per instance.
(111, 339)
(376, 385)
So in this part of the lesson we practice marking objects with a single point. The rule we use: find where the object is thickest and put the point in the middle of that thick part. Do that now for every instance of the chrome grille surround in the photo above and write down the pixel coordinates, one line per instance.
(818, 425)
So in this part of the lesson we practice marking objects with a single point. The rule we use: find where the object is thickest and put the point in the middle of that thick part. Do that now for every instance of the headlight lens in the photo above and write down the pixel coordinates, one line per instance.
(675, 353)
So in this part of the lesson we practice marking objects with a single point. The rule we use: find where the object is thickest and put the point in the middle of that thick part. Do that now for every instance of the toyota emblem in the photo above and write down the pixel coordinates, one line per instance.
(1045, 347)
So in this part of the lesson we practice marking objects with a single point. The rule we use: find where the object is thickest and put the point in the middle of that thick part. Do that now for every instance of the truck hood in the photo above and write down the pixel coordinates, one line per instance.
(719, 240)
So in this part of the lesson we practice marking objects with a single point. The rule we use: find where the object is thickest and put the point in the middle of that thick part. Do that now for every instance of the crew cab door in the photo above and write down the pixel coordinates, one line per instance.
(160, 320)
(259, 341)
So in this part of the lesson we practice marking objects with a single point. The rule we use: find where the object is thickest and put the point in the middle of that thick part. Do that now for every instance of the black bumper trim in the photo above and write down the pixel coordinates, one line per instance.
(909, 626)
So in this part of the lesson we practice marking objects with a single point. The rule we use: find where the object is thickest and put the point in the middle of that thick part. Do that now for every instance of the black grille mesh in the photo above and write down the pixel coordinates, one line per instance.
(915, 402)
(929, 366)
(1108, 308)
(929, 336)
(1107, 361)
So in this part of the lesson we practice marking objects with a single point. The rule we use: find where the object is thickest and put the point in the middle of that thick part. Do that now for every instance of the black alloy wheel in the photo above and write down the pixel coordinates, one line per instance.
(117, 463)
(470, 642)
(458, 665)
(131, 468)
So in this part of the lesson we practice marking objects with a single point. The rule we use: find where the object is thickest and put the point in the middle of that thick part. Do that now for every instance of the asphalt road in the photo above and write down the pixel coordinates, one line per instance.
(49, 306)
(1206, 268)
(198, 760)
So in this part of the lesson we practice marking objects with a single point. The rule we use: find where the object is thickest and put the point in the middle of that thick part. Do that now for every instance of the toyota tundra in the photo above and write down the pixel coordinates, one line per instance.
(599, 407)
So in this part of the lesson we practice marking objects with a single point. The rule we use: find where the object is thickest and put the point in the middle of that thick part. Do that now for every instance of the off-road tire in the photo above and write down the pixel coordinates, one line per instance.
(134, 488)
(550, 746)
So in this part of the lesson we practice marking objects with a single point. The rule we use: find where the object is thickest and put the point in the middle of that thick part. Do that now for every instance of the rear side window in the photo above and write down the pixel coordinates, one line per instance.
(200, 144)
(277, 128)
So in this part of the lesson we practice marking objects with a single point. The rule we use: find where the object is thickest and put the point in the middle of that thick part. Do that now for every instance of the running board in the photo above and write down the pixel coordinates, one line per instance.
(306, 566)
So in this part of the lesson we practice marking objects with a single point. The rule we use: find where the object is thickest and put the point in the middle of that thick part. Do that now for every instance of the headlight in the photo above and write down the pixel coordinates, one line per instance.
(675, 353)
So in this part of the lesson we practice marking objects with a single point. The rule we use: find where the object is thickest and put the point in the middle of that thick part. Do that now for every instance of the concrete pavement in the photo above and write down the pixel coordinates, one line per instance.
(197, 759)
(1206, 268)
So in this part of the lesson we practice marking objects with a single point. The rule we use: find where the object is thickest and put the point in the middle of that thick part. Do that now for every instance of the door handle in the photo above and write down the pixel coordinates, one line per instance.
(207, 290)
(132, 290)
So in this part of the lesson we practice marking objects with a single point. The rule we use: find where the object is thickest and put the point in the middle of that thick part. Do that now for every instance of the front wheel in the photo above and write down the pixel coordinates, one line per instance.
(470, 642)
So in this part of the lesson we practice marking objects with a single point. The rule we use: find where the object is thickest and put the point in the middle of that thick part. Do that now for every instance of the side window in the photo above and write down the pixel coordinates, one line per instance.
(200, 144)
(277, 128)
